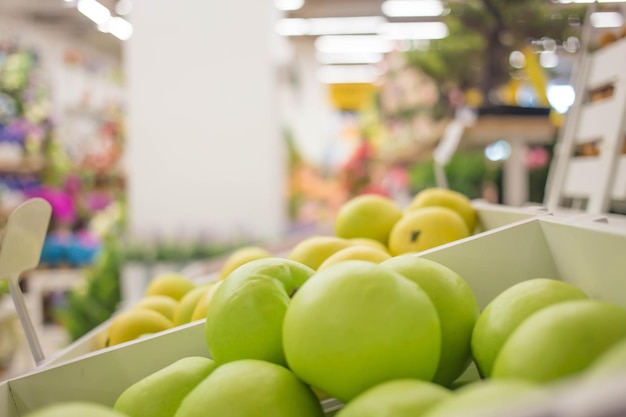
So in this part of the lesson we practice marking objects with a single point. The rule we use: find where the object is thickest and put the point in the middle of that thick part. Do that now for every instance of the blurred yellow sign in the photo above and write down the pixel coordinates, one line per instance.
(351, 96)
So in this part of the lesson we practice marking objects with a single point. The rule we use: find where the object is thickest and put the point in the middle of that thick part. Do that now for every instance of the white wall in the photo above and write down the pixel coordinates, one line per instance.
(204, 150)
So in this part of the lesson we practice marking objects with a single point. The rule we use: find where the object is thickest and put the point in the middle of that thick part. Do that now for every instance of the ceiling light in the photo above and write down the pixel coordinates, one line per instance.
(345, 25)
(353, 44)
(548, 59)
(414, 30)
(349, 58)
(293, 27)
(561, 97)
(329, 26)
(93, 10)
(120, 28)
(340, 74)
(412, 8)
(288, 5)
(606, 20)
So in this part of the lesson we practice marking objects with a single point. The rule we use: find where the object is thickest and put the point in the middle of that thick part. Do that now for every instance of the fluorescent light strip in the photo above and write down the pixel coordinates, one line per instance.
(349, 58)
(412, 8)
(329, 26)
(293, 27)
(606, 19)
(340, 74)
(345, 25)
(288, 5)
(120, 28)
(414, 30)
(101, 16)
(93, 10)
(353, 44)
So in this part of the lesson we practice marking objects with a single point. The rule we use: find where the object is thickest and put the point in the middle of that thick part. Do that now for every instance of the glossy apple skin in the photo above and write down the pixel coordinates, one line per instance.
(160, 393)
(487, 397)
(456, 306)
(358, 324)
(245, 317)
(561, 340)
(397, 398)
(251, 387)
(509, 309)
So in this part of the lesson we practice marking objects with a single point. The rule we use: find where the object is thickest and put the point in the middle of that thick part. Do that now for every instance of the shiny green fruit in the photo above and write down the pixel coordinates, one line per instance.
(358, 324)
(160, 393)
(456, 307)
(398, 398)
(509, 309)
(245, 319)
(561, 340)
(251, 387)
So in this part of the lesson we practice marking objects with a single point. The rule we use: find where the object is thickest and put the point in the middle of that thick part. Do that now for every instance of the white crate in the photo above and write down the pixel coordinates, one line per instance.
(490, 217)
(580, 250)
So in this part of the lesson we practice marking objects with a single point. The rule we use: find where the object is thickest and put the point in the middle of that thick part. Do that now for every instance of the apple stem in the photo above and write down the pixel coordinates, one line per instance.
(293, 292)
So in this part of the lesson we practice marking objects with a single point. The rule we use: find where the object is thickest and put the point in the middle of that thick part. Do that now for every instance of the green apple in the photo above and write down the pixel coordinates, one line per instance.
(367, 216)
(397, 398)
(560, 340)
(358, 324)
(160, 393)
(610, 363)
(456, 306)
(245, 319)
(187, 304)
(242, 256)
(314, 250)
(76, 409)
(356, 252)
(426, 228)
(250, 387)
(486, 397)
(444, 197)
(509, 309)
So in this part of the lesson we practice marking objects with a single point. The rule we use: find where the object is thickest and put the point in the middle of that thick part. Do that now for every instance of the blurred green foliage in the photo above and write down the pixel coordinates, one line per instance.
(99, 297)
(467, 172)
(482, 34)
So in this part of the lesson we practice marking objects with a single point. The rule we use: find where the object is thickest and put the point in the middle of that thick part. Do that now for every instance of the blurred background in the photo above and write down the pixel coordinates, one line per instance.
(163, 134)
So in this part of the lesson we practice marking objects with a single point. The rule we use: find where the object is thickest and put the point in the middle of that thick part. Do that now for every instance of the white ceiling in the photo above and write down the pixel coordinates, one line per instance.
(59, 16)
(56, 15)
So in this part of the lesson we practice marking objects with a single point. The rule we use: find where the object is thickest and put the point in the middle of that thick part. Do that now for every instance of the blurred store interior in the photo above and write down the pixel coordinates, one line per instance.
(163, 133)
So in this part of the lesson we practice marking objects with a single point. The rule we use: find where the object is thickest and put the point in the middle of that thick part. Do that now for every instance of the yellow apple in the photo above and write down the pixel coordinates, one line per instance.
(426, 228)
(314, 250)
(367, 216)
(357, 252)
(172, 284)
(241, 256)
(451, 199)
(159, 303)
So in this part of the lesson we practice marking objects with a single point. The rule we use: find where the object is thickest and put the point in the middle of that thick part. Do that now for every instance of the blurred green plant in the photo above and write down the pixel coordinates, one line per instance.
(467, 172)
(483, 33)
(99, 297)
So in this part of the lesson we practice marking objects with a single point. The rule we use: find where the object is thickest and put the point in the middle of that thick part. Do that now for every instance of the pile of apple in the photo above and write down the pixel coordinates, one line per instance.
(173, 299)
(369, 227)
(385, 337)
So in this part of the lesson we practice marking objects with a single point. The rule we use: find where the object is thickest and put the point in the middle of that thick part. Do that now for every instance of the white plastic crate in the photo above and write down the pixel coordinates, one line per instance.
(582, 251)
(489, 217)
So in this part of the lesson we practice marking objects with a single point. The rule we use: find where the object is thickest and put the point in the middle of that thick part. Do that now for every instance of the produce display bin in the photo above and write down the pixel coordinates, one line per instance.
(489, 217)
(587, 253)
